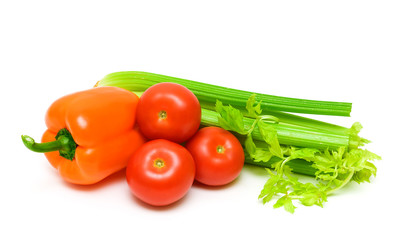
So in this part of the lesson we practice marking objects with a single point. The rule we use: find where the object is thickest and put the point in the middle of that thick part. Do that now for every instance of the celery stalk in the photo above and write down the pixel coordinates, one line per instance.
(297, 165)
(288, 134)
(208, 93)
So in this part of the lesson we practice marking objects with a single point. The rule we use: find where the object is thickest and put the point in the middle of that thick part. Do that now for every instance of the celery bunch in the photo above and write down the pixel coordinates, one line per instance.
(280, 141)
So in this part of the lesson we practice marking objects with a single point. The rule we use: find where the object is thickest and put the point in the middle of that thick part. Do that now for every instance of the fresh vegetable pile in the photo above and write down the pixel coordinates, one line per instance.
(180, 130)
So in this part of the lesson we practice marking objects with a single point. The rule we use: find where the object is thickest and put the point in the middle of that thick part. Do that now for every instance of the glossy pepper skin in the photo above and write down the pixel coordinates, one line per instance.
(101, 122)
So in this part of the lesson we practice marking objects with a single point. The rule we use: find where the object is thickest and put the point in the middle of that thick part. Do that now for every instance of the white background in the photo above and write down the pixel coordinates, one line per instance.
(326, 50)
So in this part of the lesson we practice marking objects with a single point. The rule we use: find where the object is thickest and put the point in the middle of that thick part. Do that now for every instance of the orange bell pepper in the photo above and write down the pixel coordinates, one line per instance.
(91, 134)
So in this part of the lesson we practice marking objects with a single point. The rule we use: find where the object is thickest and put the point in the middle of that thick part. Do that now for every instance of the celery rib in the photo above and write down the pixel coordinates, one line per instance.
(288, 135)
(209, 93)
(297, 165)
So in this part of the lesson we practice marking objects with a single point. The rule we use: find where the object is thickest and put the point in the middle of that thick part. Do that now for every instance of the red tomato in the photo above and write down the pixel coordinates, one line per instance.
(218, 155)
(168, 111)
(160, 172)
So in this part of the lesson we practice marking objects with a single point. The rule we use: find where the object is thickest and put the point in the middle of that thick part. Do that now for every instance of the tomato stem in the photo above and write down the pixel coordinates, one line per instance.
(159, 163)
(162, 114)
(220, 149)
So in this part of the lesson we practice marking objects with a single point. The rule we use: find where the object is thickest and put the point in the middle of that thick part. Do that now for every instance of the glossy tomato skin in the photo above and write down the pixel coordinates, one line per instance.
(218, 155)
(168, 111)
(160, 172)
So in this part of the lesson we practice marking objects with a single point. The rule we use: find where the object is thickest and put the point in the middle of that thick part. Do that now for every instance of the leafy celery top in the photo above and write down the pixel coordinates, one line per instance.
(334, 168)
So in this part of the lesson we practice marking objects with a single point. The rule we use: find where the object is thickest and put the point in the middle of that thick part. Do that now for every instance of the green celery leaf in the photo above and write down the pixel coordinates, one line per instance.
(269, 135)
(358, 158)
(282, 186)
(277, 165)
(285, 202)
(262, 155)
(230, 118)
(288, 206)
(303, 153)
(355, 140)
(362, 176)
(288, 172)
(268, 188)
(366, 173)
(355, 128)
(325, 177)
(253, 109)
(280, 202)
(250, 146)
(371, 167)
(257, 154)
(309, 199)
(313, 195)
(268, 197)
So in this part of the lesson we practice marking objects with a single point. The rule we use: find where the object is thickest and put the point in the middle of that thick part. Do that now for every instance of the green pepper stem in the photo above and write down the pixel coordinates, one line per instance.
(64, 143)
(31, 144)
